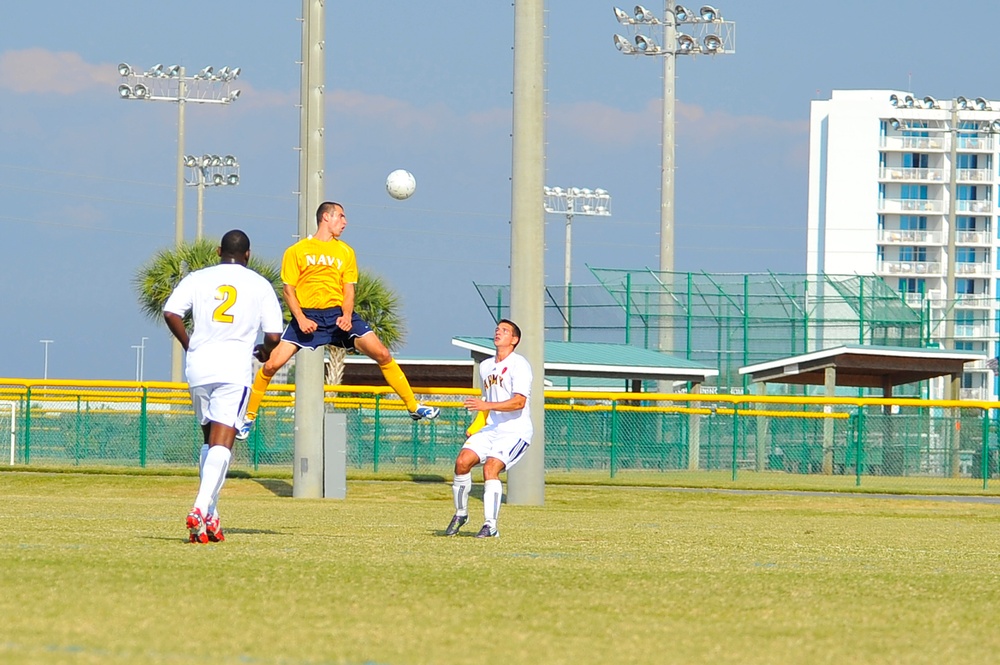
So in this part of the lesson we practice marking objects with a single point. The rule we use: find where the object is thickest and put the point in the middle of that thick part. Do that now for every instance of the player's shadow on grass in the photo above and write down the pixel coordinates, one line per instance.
(428, 478)
(277, 487)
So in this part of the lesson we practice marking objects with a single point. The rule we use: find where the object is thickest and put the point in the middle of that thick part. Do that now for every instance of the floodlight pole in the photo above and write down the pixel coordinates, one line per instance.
(719, 36)
(595, 203)
(146, 83)
(179, 214)
(45, 366)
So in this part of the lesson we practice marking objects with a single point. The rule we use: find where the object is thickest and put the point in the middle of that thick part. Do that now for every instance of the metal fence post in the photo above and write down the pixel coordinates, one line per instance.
(985, 464)
(27, 427)
(614, 437)
(142, 429)
(858, 444)
(378, 432)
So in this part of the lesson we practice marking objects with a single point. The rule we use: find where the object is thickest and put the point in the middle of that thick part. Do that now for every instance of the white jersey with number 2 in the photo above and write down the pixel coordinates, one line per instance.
(230, 304)
(501, 381)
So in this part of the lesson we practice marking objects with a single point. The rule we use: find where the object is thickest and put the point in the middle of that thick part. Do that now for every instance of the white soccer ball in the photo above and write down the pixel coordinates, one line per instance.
(400, 184)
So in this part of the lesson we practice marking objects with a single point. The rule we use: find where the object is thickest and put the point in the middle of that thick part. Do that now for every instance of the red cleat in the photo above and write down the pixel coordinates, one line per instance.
(196, 527)
(213, 527)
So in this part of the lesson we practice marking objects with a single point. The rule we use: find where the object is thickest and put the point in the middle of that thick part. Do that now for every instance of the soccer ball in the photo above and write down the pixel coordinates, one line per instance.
(400, 184)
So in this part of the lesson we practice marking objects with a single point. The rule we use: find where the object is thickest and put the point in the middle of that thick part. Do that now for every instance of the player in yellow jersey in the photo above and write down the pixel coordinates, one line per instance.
(319, 275)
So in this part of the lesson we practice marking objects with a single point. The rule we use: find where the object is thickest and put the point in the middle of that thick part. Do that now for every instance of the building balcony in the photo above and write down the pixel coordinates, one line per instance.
(928, 268)
(974, 175)
(977, 366)
(975, 394)
(973, 331)
(902, 206)
(974, 206)
(910, 237)
(901, 174)
(907, 143)
(974, 301)
(976, 143)
(970, 268)
(974, 238)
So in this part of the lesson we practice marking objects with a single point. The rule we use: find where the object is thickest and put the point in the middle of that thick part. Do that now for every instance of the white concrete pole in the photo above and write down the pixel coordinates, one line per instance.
(307, 473)
(527, 254)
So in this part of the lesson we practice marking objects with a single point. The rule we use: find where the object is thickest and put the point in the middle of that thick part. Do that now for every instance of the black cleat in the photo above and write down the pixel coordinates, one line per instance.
(488, 532)
(456, 523)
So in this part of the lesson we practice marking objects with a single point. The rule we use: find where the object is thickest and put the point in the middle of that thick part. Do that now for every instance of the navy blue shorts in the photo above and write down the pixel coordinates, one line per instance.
(327, 331)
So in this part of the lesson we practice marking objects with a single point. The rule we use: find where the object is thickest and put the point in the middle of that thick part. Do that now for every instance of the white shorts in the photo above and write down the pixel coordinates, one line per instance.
(487, 442)
(223, 403)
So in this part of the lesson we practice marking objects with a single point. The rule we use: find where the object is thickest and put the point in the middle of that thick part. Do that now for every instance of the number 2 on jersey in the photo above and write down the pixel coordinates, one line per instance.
(227, 294)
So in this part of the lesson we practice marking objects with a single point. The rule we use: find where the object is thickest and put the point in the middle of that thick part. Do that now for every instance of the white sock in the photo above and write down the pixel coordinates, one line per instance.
(201, 458)
(492, 496)
(213, 475)
(460, 489)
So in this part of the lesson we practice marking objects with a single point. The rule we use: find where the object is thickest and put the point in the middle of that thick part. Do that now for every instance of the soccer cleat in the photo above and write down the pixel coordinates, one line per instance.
(425, 412)
(488, 532)
(456, 523)
(243, 433)
(196, 527)
(213, 527)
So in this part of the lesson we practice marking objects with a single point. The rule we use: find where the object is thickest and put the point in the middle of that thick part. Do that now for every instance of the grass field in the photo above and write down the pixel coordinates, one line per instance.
(97, 569)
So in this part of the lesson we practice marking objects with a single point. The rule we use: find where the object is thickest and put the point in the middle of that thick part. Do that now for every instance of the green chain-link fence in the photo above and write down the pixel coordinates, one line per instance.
(902, 444)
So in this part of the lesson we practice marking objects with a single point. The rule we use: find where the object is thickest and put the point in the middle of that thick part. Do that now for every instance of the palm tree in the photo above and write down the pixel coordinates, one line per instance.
(158, 277)
(375, 301)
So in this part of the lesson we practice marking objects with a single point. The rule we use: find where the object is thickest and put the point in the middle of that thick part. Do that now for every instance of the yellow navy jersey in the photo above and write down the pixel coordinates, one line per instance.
(318, 270)
(230, 304)
(501, 381)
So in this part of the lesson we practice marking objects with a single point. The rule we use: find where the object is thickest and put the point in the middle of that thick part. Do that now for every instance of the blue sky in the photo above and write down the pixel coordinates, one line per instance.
(87, 180)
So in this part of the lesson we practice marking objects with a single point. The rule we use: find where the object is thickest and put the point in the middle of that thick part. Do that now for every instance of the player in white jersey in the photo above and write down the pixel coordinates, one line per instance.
(229, 305)
(500, 434)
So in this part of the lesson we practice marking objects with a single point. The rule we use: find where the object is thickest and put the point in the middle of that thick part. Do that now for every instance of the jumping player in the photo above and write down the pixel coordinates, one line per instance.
(500, 434)
(230, 304)
(320, 273)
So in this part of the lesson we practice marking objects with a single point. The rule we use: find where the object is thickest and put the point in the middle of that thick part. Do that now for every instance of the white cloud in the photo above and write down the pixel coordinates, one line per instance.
(37, 70)
(614, 126)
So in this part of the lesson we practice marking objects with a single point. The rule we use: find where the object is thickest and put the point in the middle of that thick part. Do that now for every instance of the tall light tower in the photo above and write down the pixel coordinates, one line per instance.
(170, 84)
(210, 171)
(569, 202)
(45, 366)
(707, 34)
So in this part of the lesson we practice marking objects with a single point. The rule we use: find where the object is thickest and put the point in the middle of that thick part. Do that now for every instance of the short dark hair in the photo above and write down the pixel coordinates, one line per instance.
(323, 208)
(234, 244)
(517, 330)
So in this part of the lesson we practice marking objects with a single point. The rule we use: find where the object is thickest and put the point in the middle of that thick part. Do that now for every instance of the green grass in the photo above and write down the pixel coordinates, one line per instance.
(97, 569)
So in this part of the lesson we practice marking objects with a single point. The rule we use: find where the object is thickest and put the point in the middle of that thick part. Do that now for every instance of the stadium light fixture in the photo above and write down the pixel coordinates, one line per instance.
(709, 13)
(622, 16)
(210, 170)
(169, 84)
(703, 34)
(569, 202)
(623, 45)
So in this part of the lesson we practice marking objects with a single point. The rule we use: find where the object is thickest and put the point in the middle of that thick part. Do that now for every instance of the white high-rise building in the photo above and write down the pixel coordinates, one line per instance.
(904, 187)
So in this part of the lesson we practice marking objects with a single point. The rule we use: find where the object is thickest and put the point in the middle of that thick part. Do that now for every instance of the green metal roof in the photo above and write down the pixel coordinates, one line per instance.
(602, 360)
